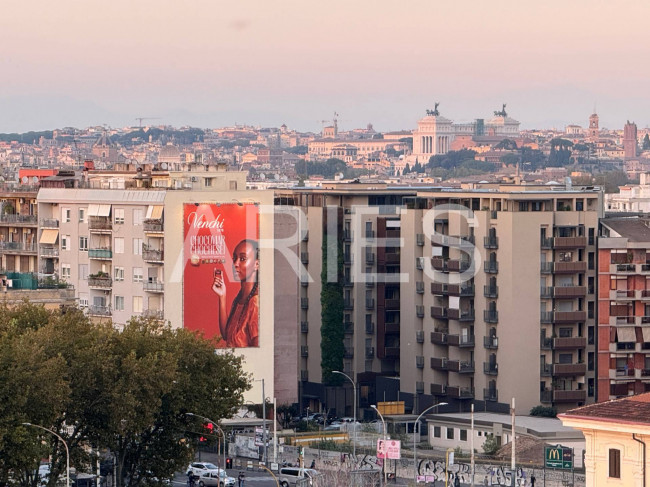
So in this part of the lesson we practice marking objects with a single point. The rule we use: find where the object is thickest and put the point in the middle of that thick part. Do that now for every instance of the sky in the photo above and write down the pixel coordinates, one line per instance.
(210, 63)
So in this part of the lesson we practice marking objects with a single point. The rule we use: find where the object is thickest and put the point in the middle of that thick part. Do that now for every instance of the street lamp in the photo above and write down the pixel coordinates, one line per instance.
(67, 452)
(219, 429)
(384, 452)
(415, 447)
(354, 411)
(263, 418)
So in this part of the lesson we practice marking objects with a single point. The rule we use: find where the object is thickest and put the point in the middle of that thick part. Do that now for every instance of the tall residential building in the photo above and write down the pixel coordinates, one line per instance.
(18, 228)
(454, 295)
(623, 307)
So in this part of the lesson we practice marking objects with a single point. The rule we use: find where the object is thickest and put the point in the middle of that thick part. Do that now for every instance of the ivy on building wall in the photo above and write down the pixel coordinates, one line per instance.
(331, 311)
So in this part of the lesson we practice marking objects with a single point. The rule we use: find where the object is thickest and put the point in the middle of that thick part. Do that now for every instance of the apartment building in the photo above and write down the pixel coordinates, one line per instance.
(623, 307)
(18, 228)
(479, 294)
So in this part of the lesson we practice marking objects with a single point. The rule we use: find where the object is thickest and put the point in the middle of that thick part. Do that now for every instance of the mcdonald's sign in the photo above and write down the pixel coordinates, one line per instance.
(558, 456)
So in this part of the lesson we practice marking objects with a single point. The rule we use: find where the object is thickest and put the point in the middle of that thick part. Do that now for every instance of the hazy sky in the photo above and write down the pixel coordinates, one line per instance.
(208, 63)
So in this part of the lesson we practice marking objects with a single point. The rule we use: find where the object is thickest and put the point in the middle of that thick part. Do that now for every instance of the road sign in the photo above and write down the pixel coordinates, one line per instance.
(558, 456)
(389, 449)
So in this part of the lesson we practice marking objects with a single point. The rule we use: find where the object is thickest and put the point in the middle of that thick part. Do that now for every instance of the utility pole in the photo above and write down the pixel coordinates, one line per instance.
(513, 471)
(264, 422)
(471, 446)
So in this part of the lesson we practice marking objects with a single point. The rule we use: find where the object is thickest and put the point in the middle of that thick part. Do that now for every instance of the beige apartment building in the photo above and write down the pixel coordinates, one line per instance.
(18, 228)
(456, 295)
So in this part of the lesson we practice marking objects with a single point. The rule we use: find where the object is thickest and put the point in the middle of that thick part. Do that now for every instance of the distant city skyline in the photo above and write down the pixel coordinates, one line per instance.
(211, 63)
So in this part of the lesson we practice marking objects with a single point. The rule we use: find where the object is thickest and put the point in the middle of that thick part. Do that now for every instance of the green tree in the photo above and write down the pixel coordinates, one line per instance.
(490, 445)
(544, 411)
(611, 180)
(507, 144)
(646, 142)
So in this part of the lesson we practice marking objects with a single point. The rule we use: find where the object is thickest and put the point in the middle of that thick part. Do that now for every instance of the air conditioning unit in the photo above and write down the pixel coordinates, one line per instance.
(195, 179)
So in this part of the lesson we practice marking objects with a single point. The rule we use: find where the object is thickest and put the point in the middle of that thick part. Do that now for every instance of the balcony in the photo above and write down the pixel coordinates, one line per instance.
(153, 286)
(152, 255)
(491, 291)
(569, 292)
(155, 314)
(438, 389)
(304, 303)
(439, 338)
(347, 235)
(457, 265)
(569, 316)
(49, 223)
(438, 263)
(491, 242)
(490, 395)
(99, 310)
(546, 396)
(370, 303)
(439, 289)
(100, 254)
(546, 243)
(569, 369)
(370, 352)
(624, 268)
(304, 327)
(304, 351)
(100, 282)
(569, 343)
(569, 267)
(348, 303)
(569, 242)
(466, 367)
(460, 315)
(419, 263)
(154, 226)
(419, 239)
(545, 343)
(419, 386)
(419, 311)
(348, 327)
(49, 252)
(100, 224)
(370, 327)
(460, 392)
(391, 352)
(419, 336)
(438, 312)
(391, 304)
(546, 267)
(18, 247)
(370, 258)
(392, 258)
(546, 370)
(419, 287)
(304, 375)
(491, 316)
(490, 368)
(491, 343)
(462, 341)
(304, 258)
(569, 396)
(622, 295)
(347, 258)
(348, 352)
(491, 267)
(457, 290)
(17, 219)
(439, 363)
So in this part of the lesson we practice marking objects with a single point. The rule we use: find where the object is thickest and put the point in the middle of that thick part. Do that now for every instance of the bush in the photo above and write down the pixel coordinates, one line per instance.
(544, 411)
(490, 446)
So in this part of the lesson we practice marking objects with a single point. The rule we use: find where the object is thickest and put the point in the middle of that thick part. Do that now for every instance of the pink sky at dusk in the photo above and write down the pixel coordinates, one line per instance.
(210, 63)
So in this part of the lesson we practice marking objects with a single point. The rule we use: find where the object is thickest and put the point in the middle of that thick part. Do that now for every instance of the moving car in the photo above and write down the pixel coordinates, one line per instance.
(216, 478)
(199, 468)
(288, 476)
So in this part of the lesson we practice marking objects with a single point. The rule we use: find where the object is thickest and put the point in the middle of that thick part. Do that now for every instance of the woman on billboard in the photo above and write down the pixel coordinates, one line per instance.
(240, 327)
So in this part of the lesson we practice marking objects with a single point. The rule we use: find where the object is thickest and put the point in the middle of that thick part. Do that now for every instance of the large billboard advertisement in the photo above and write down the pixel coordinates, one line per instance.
(220, 272)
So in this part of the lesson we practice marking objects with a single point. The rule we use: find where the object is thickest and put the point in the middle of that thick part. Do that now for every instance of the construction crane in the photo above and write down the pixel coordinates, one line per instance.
(140, 119)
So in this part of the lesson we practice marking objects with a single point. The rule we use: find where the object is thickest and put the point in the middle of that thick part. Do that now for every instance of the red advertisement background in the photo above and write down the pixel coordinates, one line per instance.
(200, 303)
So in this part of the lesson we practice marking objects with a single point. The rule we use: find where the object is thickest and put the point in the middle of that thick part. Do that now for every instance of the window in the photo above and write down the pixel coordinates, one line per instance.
(118, 215)
(119, 245)
(580, 205)
(614, 463)
(65, 242)
(65, 271)
(565, 358)
(83, 244)
(119, 273)
(119, 303)
(82, 215)
(83, 271)
(137, 246)
(463, 435)
(233, 185)
(450, 433)
(137, 274)
(523, 206)
(207, 182)
(137, 216)
(65, 215)
(137, 304)
(83, 300)
(436, 431)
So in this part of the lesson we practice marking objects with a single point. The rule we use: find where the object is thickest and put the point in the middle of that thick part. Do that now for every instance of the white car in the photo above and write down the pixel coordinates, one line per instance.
(216, 478)
(289, 476)
(199, 468)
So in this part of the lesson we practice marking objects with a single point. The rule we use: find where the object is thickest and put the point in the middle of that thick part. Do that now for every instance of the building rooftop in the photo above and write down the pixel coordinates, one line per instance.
(634, 409)
(535, 425)
(633, 228)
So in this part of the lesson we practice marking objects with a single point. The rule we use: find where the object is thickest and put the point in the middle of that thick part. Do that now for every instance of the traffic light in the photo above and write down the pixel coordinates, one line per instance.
(209, 430)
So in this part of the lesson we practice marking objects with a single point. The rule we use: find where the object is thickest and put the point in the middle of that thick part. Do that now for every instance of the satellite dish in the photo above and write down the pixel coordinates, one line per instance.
(164, 165)
(35, 180)
(25, 179)
(262, 176)
(276, 176)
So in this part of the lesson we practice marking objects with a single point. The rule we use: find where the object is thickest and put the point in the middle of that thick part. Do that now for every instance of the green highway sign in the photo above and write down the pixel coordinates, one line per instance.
(558, 456)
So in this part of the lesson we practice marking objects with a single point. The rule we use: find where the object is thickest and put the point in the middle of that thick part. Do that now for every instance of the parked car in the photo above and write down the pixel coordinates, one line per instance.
(199, 468)
(216, 478)
(288, 476)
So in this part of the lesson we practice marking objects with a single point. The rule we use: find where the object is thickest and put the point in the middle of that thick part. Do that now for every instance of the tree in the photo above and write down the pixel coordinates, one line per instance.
(507, 144)
(646, 142)
(128, 392)
(406, 170)
(611, 180)
(544, 411)
(490, 445)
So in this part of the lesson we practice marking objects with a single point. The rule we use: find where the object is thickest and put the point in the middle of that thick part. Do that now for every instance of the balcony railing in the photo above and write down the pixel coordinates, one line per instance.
(439, 288)
(370, 352)
(546, 396)
(491, 267)
(461, 340)
(569, 291)
(491, 342)
(100, 254)
(370, 327)
(490, 394)
(25, 219)
(460, 392)
(569, 242)
(569, 396)
(304, 327)
(391, 352)
(99, 310)
(438, 389)
(100, 282)
(152, 255)
(348, 327)
(491, 291)
(569, 369)
(569, 343)
(490, 368)
(457, 265)
(49, 223)
(419, 311)
(546, 370)
(153, 226)
(153, 287)
(49, 252)
(457, 290)
(348, 352)
(438, 312)
(156, 314)
(17, 247)
(491, 316)
(439, 338)
(370, 303)
(569, 267)
(460, 315)
(491, 242)
(545, 343)
(304, 303)
(438, 363)
(101, 224)
(348, 303)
